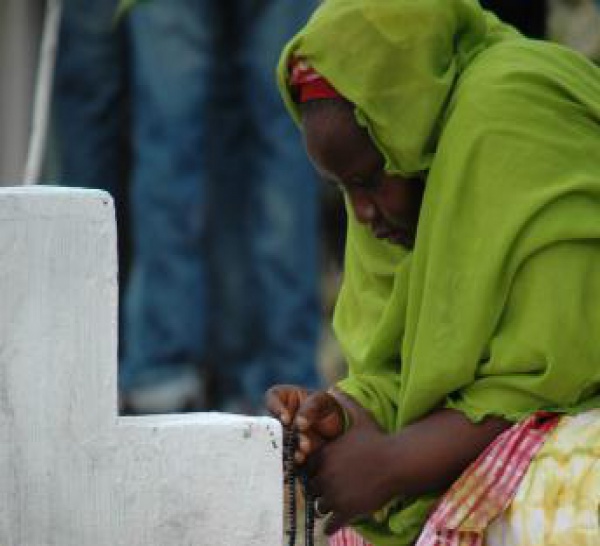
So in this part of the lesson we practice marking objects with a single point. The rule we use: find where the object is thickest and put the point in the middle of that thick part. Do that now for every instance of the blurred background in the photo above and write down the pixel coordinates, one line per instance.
(230, 251)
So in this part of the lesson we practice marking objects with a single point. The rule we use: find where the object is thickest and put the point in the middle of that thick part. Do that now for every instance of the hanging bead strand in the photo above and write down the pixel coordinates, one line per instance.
(289, 470)
(309, 514)
(291, 476)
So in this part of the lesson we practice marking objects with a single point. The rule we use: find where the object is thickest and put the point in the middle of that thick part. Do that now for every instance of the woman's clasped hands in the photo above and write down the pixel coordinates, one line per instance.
(349, 471)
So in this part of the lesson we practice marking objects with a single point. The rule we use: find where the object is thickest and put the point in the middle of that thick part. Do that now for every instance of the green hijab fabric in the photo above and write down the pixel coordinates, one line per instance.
(495, 311)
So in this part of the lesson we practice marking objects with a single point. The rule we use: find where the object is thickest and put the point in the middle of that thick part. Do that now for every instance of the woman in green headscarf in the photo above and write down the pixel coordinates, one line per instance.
(469, 157)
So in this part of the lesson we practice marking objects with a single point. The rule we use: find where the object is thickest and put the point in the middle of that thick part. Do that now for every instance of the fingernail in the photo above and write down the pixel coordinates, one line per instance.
(302, 423)
(303, 442)
(284, 418)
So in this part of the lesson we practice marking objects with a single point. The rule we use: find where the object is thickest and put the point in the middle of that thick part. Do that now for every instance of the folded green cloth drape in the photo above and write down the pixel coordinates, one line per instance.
(496, 311)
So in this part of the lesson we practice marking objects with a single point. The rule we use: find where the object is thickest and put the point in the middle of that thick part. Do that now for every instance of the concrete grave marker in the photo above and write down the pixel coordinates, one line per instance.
(73, 473)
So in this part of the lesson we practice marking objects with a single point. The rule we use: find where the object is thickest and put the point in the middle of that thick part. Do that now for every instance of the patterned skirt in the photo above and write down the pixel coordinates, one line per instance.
(537, 484)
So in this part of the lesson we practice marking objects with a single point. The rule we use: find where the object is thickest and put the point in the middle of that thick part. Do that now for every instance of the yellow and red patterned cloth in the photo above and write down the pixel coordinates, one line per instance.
(487, 487)
(537, 484)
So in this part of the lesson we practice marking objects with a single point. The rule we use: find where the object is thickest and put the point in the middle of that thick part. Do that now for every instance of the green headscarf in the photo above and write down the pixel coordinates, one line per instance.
(495, 311)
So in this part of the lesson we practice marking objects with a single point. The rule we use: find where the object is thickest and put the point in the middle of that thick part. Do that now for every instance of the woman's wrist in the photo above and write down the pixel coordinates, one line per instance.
(387, 449)
(393, 465)
(344, 408)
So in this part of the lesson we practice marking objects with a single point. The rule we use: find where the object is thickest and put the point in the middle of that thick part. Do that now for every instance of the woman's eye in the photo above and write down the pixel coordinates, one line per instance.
(357, 183)
(366, 183)
(332, 184)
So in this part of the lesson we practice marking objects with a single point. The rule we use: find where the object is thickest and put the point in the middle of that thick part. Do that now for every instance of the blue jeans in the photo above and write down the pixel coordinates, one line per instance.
(224, 201)
(91, 106)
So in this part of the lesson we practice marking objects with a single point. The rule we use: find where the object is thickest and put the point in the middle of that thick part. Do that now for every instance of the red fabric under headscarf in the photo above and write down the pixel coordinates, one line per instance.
(307, 84)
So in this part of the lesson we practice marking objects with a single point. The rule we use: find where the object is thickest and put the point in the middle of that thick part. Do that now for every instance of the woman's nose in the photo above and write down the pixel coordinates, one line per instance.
(364, 208)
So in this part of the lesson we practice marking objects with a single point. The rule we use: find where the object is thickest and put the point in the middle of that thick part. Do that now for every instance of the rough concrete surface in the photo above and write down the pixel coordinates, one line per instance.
(73, 473)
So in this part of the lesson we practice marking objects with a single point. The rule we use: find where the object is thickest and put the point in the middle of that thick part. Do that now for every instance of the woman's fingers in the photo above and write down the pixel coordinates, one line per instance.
(322, 414)
(309, 443)
(275, 404)
(283, 401)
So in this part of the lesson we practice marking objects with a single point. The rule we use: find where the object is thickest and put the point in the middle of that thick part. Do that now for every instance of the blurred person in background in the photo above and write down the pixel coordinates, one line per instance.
(576, 23)
(221, 192)
(91, 106)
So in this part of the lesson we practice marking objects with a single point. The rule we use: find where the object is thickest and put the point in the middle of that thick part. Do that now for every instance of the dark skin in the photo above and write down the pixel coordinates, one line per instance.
(426, 456)
(344, 155)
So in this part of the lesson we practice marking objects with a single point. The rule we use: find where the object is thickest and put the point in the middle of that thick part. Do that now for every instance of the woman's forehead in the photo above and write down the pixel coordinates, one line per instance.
(333, 137)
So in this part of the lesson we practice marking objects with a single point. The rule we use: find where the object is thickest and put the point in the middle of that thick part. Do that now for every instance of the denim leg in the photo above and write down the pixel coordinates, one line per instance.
(233, 328)
(90, 106)
(283, 209)
(167, 296)
(90, 95)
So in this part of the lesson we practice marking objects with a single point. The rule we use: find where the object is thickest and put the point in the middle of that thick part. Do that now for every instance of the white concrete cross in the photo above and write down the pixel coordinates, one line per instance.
(73, 473)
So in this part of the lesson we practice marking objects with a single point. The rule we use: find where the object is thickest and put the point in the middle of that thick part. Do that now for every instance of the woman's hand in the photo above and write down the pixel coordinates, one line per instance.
(363, 469)
(283, 401)
(350, 476)
(317, 416)
(319, 419)
(346, 470)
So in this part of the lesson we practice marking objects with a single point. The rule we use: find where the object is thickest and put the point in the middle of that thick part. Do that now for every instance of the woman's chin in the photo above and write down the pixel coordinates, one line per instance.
(402, 238)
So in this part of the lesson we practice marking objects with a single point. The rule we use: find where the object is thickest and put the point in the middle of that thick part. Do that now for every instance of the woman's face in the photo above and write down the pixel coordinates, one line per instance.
(344, 155)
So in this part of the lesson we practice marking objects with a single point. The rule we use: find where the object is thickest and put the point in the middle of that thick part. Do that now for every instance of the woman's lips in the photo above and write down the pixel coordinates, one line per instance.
(396, 236)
